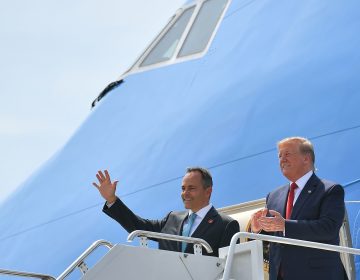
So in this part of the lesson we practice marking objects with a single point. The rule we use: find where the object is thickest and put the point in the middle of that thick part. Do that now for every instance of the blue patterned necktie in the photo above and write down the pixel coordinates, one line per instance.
(187, 229)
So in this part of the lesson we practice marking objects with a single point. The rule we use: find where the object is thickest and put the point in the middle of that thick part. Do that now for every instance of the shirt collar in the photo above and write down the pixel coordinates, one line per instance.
(202, 212)
(301, 182)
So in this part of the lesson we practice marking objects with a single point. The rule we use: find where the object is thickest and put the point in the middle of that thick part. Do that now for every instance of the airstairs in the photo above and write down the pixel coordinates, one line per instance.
(244, 260)
(238, 261)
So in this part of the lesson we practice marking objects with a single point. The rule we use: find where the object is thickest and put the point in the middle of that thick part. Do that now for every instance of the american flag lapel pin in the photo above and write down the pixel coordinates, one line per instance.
(210, 221)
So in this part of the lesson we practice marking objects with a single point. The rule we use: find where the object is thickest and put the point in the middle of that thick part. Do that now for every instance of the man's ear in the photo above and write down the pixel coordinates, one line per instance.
(308, 161)
(307, 158)
(208, 192)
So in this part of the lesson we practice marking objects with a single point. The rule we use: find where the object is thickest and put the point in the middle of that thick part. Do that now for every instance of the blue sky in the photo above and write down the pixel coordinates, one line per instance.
(55, 58)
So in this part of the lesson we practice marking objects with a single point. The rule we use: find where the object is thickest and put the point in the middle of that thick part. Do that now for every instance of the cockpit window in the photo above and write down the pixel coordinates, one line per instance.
(187, 36)
(203, 27)
(165, 48)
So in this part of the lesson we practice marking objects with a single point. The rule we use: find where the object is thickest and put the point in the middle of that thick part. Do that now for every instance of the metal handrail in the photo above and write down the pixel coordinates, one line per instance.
(282, 240)
(26, 274)
(80, 260)
(165, 236)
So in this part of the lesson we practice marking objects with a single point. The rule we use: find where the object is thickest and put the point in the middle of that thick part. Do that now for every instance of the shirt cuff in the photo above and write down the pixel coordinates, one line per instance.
(110, 204)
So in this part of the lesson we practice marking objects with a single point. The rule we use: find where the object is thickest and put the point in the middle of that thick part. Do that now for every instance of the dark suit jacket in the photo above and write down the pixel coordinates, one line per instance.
(217, 229)
(317, 216)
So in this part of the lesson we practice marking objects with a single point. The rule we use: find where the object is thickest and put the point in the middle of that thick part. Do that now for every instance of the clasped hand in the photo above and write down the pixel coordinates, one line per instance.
(260, 221)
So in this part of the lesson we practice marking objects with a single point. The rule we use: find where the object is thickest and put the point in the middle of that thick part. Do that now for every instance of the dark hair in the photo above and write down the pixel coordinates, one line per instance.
(205, 175)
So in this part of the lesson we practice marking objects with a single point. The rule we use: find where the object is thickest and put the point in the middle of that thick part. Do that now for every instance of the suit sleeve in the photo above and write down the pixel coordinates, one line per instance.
(129, 221)
(327, 225)
(231, 228)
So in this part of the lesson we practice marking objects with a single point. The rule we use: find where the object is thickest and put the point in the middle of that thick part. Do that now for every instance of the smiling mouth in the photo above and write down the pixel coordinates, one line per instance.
(187, 200)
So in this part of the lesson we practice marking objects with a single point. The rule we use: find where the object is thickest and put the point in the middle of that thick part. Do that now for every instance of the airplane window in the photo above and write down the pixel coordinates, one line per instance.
(165, 48)
(203, 27)
(186, 36)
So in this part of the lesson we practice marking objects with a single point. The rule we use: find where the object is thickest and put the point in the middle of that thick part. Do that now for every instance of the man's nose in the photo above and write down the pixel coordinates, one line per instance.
(282, 159)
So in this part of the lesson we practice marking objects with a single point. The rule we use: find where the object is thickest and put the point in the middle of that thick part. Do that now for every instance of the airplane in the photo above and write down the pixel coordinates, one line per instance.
(218, 87)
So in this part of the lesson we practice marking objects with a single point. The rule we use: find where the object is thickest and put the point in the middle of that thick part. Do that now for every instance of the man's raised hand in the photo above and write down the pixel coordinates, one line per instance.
(106, 188)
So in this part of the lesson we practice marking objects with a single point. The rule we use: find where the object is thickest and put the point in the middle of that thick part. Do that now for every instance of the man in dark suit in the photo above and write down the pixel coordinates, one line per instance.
(307, 208)
(201, 220)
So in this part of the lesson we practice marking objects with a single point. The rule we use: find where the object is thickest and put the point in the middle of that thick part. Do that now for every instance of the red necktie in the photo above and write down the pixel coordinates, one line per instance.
(290, 200)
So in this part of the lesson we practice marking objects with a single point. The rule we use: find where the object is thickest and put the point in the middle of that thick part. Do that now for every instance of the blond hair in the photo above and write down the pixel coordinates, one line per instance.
(305, 146)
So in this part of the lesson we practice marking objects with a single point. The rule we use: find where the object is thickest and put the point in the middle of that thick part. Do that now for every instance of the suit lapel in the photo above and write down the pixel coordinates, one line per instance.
(182, 216)
(283, 200)
(306, 192)
(206, 223)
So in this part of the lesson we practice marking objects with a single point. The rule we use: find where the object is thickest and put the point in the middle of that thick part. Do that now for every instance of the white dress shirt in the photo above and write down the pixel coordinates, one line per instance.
(301, 184)
(199, 217)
